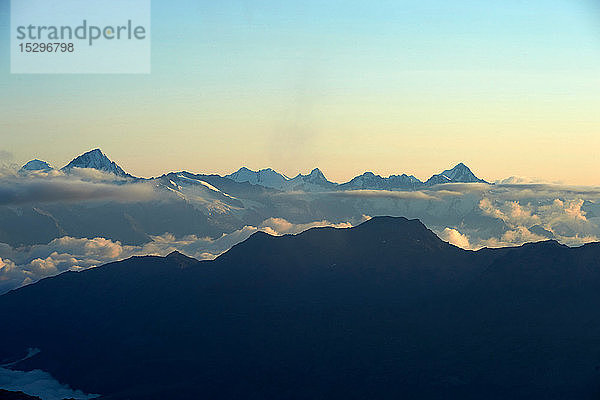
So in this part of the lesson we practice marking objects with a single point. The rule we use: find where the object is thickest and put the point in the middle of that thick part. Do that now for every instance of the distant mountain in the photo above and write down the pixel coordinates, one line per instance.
(459, 174)
(95, 159)
(129, 223)
(369, 180)
(187, 185)
(315, 181)
(316, 177)
(384, 310)
(36, 165)
(264, 177)
(226, 185)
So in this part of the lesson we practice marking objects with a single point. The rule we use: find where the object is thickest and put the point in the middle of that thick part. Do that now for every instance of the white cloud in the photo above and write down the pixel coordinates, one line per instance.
(453, 236)
(513, 237)
(23, 265)
(520, 180)
(564, 217)
(38, 189)
(7, 166)
(280, 226)
(511, 212)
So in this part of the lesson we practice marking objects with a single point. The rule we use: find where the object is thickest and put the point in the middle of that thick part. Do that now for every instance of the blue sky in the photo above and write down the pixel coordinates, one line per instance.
(508, 87)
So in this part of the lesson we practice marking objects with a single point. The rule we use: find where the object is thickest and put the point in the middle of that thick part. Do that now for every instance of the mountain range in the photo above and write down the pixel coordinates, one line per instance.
(210, 205)
(384, 310)
(313, 182)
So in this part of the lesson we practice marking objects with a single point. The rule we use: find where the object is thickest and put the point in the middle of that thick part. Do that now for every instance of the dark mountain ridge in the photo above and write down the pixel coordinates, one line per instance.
(383, 310)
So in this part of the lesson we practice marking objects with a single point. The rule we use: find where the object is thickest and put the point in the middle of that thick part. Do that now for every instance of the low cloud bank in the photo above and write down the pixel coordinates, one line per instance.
(18, 187)
(39, 383)
(470, 216)
(24, 265)
(510, 213)
(454, 237)
(39, 190)
(562, 215)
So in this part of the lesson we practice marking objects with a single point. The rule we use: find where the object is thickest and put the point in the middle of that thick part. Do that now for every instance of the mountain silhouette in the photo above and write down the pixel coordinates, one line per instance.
(11, 395)
(384, 310)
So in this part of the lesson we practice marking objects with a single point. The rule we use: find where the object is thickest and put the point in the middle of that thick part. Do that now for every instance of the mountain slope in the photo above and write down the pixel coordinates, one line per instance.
(382, 310)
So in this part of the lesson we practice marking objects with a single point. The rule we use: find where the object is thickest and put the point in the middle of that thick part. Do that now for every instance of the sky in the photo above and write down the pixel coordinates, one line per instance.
(508, 87)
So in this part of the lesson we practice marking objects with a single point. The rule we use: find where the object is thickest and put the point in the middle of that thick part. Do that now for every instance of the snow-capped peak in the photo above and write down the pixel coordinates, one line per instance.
(315, 176)
(265, 177)
(460, 173)
(371, 181)
(95, 159)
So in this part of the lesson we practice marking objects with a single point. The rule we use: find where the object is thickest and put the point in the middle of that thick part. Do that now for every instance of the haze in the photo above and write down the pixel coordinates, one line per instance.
(508, 87)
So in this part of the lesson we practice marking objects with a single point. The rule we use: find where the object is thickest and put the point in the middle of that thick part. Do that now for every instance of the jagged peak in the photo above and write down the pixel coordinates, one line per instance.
(460, 173)
(96, 159)
(259, 171)
(316, 175)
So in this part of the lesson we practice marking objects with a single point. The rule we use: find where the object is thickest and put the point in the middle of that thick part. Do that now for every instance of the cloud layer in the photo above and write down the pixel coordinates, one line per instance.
(19, 187)
(531, 213)
(24, 265)
(470, 216)
(39, 383)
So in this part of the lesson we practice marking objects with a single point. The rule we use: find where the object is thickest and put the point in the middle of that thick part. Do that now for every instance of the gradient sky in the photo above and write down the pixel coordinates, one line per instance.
(508, 87)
